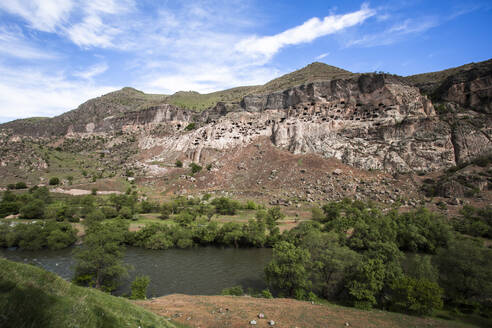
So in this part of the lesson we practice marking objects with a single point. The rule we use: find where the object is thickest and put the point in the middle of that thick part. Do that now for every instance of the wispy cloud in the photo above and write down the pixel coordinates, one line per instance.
(13, 43)
(322, 56)
(43, 15)
(92, 71)
(264, 48)
(394, 33)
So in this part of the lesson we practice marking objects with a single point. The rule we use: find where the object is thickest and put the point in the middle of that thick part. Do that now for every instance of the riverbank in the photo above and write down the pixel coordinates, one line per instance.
(233, 311)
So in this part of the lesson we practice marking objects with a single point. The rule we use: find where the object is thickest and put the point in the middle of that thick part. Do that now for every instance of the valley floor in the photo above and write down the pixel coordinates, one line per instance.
(233, 311)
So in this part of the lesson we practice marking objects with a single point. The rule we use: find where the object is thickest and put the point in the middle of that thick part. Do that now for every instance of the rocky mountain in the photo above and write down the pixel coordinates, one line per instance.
(370, 122)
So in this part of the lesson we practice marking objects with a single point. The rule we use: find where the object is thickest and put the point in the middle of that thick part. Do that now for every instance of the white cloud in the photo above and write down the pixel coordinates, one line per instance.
(264, 48)
(92, 71)
(31, 92)
(92, 32)
(43, 15)
(322, 56)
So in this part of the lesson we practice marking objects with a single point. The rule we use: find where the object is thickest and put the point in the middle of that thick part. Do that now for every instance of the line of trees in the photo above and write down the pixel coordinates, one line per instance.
(358, 255)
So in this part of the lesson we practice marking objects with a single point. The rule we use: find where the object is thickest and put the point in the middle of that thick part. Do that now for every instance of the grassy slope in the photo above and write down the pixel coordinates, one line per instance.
(313, 72)
(33, 297)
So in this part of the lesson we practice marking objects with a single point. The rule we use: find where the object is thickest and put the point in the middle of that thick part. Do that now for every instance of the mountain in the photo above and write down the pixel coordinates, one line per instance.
(315, 134)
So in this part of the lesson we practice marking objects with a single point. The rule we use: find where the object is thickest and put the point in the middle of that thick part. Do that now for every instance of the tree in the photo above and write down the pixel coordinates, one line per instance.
(330, 261)
(365, 283)
(287, 272)
(465, 273)
(139, 287)
(179, 163)
(99, 260)
(231, 233)
(33, 209)
(54, 181)
(415, 296)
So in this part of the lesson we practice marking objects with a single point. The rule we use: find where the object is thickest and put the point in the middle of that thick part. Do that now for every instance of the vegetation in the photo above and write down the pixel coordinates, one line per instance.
(357, 255)
(139, 287)
(32, 297)
(99, 260)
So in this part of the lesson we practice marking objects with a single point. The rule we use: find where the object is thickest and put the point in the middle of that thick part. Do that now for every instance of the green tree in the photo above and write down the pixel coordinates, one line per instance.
(20, 185)
(231, 233)
(330, 261)
(365, 283)
(415, 296)
(178, 163)
(33, 209)
(139, 287)
(99, 260)
(287, 272)
(465, 273)
(54, 181)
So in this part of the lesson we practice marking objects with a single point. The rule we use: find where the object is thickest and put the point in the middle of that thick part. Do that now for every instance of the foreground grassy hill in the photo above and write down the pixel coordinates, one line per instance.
(33, 297)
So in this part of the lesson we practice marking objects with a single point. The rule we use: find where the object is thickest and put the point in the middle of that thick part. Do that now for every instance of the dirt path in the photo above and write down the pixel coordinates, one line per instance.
(230, 311)
(81, 192)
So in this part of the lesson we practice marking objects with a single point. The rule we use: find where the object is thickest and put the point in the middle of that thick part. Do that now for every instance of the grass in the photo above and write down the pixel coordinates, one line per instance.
(33, 297)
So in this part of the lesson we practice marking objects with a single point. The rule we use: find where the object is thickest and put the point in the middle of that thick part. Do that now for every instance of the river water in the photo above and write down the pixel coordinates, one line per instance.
(196, 271)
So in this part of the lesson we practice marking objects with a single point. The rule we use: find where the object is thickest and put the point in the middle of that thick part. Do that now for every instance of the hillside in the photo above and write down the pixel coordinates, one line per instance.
(33, 297)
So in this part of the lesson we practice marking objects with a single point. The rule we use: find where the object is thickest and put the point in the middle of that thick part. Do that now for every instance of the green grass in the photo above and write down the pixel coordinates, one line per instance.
(33, 297)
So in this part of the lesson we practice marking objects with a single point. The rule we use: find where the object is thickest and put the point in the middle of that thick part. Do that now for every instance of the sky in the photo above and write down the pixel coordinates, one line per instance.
(56, 54)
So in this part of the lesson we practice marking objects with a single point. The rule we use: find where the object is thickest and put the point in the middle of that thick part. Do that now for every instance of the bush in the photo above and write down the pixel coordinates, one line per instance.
(20, 185)
(233, 291)
(126, 212)
(139, 287)
(265, 293)
(54, 181)
(11, 186)
(195, 168)
(179, 163)
(190, 127)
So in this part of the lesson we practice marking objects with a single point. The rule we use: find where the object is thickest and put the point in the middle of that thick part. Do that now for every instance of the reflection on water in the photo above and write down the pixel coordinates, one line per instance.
(197, 271)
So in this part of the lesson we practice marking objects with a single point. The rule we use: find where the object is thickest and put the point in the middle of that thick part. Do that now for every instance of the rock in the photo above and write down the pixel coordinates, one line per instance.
(337, 172)
(261, 315)
(252, 322)
(454, 201)
(347, 324)
(271, 323)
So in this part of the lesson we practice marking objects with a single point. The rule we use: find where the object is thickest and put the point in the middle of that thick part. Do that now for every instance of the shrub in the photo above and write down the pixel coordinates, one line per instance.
(94, 191)
(265, 293)
(195, 168)
(126, 212)
(11, 186)
(54, 181)
(233, 291)
(139, 287)
(190, 127)
(179, 163)
(20, 185)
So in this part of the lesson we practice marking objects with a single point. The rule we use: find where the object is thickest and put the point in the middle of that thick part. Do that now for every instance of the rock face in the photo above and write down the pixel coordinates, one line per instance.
(370, 121)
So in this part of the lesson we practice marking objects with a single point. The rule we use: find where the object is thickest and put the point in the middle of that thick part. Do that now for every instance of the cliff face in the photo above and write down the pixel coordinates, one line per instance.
(370, 121)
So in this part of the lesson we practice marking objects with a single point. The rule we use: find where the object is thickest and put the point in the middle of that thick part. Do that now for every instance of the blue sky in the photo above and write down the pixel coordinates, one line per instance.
(55, 54)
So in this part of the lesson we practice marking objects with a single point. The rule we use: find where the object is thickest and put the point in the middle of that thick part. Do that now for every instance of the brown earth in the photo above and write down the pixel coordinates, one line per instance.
(232, 311)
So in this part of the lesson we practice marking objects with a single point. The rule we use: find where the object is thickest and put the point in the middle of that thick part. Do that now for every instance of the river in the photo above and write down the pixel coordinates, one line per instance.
(196, 271)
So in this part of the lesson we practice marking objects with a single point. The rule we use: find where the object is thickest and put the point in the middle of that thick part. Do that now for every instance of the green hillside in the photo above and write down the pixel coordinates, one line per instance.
(33, 297)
